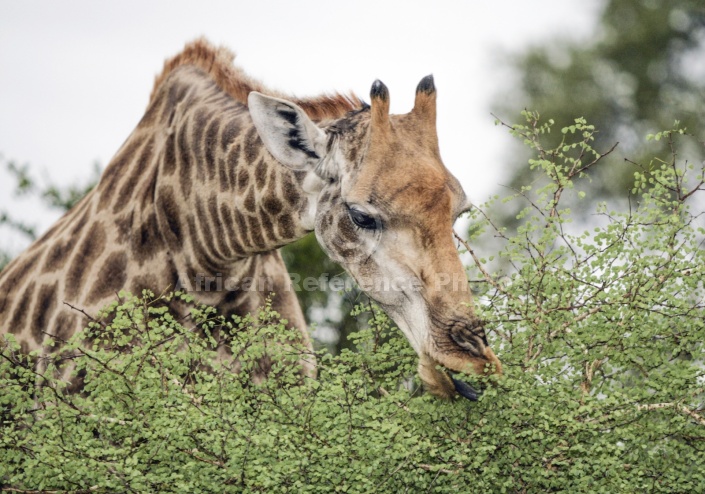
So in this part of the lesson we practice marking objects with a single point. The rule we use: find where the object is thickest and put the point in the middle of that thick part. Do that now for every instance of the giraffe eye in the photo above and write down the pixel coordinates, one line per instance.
(363, 220)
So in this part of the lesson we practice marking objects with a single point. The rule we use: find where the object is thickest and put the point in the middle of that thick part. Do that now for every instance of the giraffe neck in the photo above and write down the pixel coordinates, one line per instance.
(196, 171)
(191, 194)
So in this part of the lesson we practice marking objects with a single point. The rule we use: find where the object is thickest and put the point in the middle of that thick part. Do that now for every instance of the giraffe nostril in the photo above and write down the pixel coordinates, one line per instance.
(469, 341)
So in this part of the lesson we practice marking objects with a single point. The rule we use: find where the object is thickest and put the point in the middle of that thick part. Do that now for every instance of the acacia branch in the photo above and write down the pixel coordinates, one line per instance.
(681, 408)
(479, 265)
(386, 394)
(193, 454)
(430, 468)
(91, 318)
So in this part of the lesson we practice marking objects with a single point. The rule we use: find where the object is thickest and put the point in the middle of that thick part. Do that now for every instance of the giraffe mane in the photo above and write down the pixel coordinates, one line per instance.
(217, 62)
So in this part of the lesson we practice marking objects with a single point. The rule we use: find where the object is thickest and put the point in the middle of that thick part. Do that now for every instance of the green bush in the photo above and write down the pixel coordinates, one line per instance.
(600, 332)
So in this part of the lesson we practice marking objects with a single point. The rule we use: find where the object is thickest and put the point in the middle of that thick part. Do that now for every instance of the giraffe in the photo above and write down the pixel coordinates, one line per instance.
(220, 172)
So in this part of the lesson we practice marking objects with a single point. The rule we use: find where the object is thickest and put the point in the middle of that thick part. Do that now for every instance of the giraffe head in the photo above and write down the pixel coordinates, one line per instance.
(382, 205)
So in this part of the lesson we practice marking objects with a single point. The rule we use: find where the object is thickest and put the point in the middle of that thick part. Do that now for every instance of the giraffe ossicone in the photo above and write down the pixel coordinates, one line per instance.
(220, 172)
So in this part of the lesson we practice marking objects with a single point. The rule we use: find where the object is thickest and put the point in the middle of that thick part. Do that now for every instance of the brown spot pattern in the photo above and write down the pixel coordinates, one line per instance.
(184, 161)
(200, 121)
(291, 193)
(115, 171)
(78, 223)
(131, 181)
(19, 316)
(243, 178)
(242, 229)
(286, 226)
(110, 278)
(64, 326)
(18, 269)
(260, 174)
(89, 250)
(169, 157)
(230, 133)
(272, 205)
(250, 200)
(253, 144)
(211, 140)
(218, 228)
(268, 228)
(146, 282)
(172, 215)
(204, 225)
(223, 176)
(145, 239)
(46, 302)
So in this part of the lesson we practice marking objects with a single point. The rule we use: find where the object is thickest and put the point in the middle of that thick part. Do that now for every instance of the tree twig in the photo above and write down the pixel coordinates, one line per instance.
(681, 408)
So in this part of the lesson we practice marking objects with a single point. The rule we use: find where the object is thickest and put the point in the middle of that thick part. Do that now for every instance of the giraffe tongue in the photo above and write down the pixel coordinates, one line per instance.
(465, 390)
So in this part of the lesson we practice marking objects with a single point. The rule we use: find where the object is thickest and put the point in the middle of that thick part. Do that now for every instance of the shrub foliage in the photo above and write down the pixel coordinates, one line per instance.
(600, 331)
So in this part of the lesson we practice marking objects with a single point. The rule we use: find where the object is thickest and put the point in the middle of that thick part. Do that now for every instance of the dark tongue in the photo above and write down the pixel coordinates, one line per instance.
(464, 389)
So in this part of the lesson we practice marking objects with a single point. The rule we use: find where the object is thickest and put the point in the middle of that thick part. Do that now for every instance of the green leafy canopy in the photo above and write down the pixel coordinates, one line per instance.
(600, 331)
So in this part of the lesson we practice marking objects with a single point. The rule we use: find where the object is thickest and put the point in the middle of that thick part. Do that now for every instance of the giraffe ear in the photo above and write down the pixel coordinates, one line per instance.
(287, 132)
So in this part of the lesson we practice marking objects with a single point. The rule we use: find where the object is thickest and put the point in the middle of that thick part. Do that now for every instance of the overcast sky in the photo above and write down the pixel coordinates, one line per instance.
(75, 76)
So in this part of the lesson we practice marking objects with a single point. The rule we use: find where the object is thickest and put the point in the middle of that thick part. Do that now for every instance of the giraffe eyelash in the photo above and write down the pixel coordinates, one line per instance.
(362, 220)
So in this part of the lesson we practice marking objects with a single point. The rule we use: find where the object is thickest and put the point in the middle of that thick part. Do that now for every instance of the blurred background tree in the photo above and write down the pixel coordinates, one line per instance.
(643, 69)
